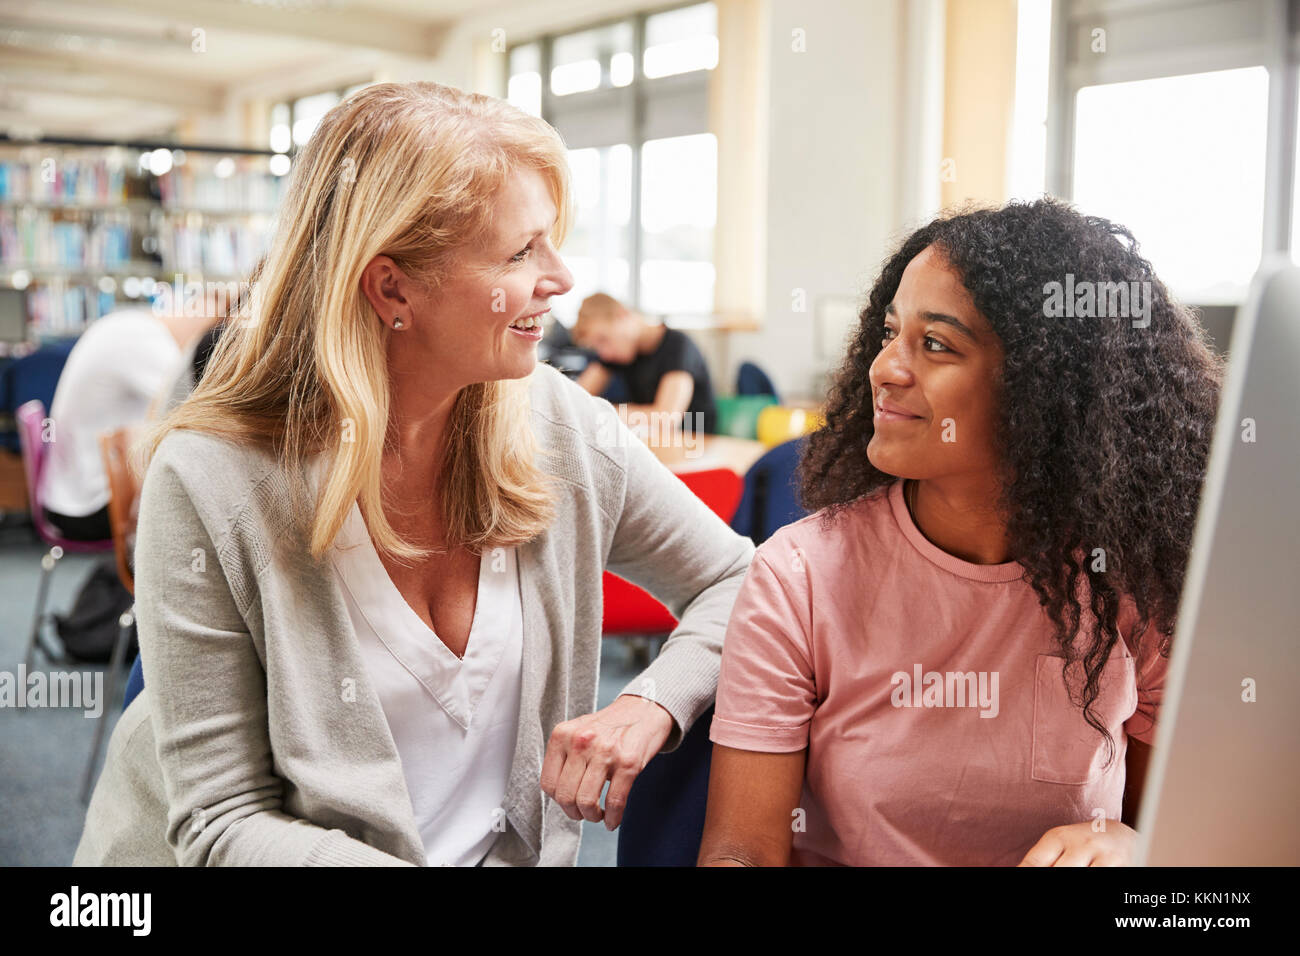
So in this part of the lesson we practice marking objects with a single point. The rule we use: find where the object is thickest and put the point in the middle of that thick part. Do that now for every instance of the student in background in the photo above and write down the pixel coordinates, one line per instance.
(662, 368)
(230, 308)
(960, 659)
(118, 368)
(196, 357)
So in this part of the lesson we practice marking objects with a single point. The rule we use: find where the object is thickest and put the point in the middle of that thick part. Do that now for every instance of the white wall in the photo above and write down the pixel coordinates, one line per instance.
(833, 202)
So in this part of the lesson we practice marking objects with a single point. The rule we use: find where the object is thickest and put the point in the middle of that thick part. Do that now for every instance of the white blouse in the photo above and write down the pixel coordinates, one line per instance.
(453, 719)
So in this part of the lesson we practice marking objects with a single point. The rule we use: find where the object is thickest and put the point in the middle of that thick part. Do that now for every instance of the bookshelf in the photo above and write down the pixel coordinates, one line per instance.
(89, 228)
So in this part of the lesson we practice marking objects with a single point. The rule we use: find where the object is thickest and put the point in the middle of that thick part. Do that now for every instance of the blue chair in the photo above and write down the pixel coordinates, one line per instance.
(769, 500)
(752, 380)
(663, 822)
(616, 392)
(134, 683)
(34, 376)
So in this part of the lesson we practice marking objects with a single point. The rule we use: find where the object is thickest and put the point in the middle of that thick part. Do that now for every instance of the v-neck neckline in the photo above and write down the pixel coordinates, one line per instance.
(416, 623)
(384, 581)
(456, 683)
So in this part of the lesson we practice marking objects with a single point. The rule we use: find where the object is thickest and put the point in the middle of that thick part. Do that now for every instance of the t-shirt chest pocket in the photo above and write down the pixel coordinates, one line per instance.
(1066, 748)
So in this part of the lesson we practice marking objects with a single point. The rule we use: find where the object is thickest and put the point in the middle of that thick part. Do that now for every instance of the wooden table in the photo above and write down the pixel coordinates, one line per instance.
(698, 452)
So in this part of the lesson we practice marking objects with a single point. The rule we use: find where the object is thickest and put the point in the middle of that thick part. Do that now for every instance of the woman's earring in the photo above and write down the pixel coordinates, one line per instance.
(397, 323)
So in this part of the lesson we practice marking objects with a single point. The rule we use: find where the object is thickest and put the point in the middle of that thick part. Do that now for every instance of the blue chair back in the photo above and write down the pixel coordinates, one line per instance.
(663, 821)
(616, 391)
(33, 376)
(134, 683)
(769, 501)
(752, 380)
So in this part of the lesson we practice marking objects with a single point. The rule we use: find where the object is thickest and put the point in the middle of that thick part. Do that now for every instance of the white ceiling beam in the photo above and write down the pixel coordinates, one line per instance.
(113, 125)
(351, 27)
(88, 77)
(310, 74)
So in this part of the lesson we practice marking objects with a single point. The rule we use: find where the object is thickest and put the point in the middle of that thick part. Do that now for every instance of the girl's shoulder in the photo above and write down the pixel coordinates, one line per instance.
(837, 530)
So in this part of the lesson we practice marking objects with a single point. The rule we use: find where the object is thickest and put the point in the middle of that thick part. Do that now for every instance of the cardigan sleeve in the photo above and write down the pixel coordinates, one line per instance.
(670, 543)
(207, 695)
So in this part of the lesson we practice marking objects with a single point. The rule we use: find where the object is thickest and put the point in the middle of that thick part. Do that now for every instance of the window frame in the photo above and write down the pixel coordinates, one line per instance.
(1233, 34)
(651, 108)
(343, 91)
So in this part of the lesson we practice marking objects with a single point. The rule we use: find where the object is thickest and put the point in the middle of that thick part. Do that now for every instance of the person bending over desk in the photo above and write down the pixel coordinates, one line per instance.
(960, 658)
(114, 374)
(371, 542)
(664, 371)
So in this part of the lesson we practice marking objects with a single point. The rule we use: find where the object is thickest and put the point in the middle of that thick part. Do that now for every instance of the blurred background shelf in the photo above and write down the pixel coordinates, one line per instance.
(87, 228)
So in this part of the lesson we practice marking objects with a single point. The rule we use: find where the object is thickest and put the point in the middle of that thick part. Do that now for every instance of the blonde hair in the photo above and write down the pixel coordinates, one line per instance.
(411, 171)
(598, 308)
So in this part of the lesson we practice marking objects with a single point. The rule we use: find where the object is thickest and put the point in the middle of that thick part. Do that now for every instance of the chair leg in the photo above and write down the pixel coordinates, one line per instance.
(640, 651)
(115, 667)
(48, 562)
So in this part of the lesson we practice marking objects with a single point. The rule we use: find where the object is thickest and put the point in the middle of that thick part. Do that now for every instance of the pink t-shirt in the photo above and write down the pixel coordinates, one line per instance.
(928, 692)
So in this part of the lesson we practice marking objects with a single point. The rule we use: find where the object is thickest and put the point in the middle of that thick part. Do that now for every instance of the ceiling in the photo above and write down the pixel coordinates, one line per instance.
(135, 68)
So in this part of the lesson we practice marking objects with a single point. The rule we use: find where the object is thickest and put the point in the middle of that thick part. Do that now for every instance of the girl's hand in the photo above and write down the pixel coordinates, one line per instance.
(613, 744)
(1078, 844)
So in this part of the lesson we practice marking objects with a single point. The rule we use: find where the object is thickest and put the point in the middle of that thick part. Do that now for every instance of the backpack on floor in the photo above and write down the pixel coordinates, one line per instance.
(91, 628)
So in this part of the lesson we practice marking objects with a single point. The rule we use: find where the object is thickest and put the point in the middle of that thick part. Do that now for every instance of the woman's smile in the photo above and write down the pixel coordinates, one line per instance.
(888, 412)
(529, 326)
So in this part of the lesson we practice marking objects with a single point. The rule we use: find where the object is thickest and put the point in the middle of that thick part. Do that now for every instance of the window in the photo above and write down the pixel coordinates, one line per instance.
(525, 87)
(308, 112)
(681, 40)
(281, 136)
(592, 59)
(1180, 161)
(1178, 119)
(677, 218)
(293, 121)
(630, 98)
(597, 250)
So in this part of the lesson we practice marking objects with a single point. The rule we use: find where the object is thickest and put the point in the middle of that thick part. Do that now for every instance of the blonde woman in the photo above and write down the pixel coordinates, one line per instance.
(371, 542)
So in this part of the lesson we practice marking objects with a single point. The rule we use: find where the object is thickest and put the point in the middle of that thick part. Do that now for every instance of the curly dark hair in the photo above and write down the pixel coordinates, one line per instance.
(1103, 429)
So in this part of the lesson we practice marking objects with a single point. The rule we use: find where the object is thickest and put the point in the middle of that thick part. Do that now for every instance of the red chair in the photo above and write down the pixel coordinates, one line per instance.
(631, 611)
(123, 492)
(31, 419)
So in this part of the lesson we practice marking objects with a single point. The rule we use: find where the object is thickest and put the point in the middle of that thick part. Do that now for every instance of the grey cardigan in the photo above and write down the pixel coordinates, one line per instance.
(259, 738)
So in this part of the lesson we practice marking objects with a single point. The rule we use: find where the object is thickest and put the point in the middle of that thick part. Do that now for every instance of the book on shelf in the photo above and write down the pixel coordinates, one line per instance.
(250, 188)
(60, 178)
(75, 219)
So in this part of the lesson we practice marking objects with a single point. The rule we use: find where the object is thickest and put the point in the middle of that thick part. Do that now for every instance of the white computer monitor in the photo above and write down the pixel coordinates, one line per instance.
(1223, 787)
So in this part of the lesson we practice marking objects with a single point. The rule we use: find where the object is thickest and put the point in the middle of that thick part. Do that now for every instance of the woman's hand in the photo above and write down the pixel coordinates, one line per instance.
(1078, 844)
(613, 744)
